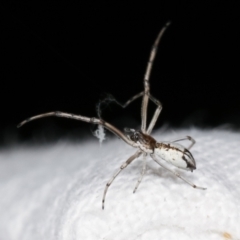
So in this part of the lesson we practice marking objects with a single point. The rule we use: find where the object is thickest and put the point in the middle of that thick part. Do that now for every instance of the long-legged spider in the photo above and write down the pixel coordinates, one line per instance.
(171, 152)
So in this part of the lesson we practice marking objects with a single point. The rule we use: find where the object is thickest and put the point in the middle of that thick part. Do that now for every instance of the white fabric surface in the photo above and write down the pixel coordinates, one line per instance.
(55, 191)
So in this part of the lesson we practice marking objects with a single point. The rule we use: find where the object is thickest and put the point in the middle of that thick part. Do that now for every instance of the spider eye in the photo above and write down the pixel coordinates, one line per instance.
(132, 137)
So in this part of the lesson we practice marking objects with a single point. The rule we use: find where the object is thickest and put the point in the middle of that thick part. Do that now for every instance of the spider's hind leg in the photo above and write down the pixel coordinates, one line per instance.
(176, 174)
(186, 138)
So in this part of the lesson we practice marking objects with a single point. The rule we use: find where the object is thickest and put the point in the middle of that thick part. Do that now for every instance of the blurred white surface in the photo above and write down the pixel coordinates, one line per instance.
(55, 192)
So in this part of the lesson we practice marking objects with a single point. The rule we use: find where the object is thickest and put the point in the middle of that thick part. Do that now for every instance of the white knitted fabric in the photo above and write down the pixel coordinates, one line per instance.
(55, 192)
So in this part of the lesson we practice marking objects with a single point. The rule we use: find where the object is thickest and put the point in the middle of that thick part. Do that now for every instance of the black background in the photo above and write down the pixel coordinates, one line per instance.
(64, 55)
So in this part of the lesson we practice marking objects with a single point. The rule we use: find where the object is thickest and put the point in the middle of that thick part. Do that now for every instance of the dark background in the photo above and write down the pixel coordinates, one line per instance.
(64, 55)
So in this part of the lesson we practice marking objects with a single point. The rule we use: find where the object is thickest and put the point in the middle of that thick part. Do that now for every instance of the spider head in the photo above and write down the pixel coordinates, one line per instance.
(144, 141)
(132, 134)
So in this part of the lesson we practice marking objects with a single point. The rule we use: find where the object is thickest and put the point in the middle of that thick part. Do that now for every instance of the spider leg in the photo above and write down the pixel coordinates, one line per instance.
(142, 173)
(176, 174)
(130, 100)
(124, 165)
(147, 76)
(186, 138)
(111, 98)
(156, 114)
(106, 125)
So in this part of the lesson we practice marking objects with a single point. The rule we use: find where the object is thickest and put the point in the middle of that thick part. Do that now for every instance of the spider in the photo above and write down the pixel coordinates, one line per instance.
(171, 152)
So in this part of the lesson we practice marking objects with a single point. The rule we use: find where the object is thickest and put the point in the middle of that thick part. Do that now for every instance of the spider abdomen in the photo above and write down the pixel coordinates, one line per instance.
(175, 154)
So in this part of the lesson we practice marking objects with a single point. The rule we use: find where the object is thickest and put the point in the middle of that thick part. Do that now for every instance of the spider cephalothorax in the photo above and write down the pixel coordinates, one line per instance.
(145, 142)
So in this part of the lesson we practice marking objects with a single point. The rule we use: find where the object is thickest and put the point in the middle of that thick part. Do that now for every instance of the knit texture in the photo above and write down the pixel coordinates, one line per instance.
(55, 191)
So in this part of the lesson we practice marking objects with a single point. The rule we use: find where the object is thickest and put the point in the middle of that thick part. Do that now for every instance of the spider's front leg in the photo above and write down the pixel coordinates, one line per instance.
(146, 93)
(93, 120)
(147, 86)
(156, 114)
